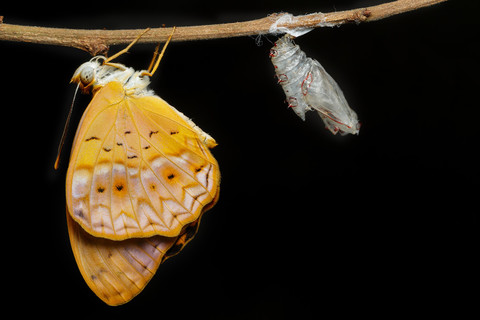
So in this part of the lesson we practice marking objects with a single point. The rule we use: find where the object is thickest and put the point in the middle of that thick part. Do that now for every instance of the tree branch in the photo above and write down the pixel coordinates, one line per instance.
(98, 41)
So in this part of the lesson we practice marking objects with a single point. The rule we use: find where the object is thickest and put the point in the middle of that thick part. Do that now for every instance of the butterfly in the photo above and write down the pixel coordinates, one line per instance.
(140, 176)
(309, 87)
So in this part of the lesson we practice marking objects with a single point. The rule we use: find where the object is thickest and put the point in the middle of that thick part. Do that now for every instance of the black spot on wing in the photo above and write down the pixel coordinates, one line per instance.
(79, 213)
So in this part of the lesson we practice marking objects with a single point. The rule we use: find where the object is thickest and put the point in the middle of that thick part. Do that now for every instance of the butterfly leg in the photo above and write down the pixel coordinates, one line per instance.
(126, 49)
(116, 65)
(151, 71)
(155, 54)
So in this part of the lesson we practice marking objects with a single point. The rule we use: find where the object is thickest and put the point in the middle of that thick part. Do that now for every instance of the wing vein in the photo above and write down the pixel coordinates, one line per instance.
(144, 113)
(132, 116)
(193, 177)
(124, 162)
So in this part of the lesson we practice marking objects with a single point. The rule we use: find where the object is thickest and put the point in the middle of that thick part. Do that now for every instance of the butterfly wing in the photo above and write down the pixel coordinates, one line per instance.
(138, 168)
(116, 271)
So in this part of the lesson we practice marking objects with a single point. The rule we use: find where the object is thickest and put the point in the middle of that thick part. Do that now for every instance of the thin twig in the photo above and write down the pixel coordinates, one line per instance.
(96, 41)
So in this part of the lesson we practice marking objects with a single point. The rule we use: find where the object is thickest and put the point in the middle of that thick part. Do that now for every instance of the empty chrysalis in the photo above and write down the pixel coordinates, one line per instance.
(308, 86)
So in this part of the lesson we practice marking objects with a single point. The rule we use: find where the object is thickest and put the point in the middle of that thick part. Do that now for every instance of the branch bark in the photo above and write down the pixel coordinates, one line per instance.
(98, 41)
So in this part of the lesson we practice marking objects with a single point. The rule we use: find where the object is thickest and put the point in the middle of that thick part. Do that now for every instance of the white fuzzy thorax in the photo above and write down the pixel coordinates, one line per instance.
(95, 74)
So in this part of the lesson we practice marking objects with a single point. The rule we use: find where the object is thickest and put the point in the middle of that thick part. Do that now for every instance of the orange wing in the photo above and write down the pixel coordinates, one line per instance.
(116, 271)
(138, 168)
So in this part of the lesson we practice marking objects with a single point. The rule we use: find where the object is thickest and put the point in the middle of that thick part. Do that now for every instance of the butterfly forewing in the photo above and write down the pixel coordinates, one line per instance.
(137, 168)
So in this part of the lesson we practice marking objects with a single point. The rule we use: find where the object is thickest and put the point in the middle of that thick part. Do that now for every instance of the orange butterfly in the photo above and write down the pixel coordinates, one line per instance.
(140, 177)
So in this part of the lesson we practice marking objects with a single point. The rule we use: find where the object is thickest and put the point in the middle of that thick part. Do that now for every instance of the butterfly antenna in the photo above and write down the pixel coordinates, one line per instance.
(65, 129)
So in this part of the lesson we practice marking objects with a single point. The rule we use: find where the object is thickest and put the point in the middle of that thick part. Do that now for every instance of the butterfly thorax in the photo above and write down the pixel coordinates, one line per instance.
(95, 74)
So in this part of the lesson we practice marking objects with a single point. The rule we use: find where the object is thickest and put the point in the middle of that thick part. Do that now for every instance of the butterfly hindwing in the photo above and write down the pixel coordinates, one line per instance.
(116, 271)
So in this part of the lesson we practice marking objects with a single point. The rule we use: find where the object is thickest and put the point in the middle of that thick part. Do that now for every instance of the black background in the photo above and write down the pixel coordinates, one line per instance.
(307, 223)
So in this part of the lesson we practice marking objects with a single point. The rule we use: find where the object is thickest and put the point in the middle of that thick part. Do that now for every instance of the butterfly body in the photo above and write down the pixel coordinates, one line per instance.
(140, 176)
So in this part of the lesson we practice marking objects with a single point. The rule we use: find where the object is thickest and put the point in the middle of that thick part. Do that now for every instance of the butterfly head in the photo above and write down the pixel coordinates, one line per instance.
(86, 74)
(96, 73)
